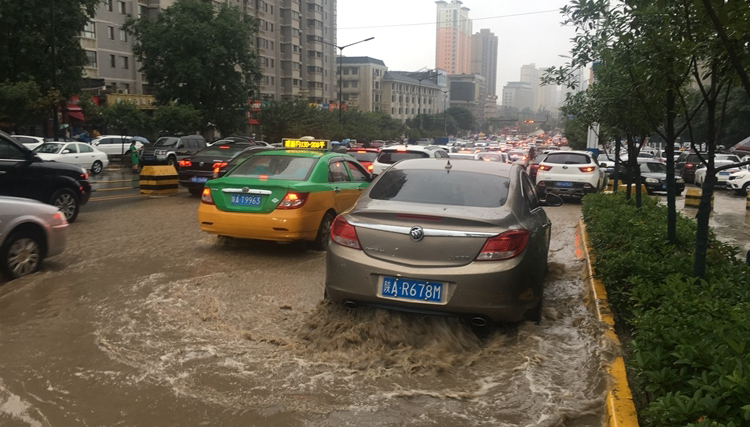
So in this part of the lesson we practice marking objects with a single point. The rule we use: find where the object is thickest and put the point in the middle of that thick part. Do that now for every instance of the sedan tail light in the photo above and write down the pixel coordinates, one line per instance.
(185, 163)
(534, 166)
(293, 200)
(504, 246)
(219, 165)
(206, 196)
(370, 167)
(344, 233)
(545, 168)
(587, 169)
(689, 165)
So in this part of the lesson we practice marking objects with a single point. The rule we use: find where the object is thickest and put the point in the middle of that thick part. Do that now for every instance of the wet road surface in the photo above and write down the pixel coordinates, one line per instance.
(145, 320)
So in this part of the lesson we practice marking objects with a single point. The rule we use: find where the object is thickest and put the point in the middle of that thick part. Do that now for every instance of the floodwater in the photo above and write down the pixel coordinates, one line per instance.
(145, 320)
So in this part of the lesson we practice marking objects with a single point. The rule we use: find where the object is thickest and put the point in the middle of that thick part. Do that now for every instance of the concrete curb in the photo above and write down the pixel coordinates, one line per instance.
(620, 408)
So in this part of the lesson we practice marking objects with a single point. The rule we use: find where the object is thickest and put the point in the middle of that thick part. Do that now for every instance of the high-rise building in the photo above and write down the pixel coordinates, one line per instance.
(295, 45)
(518, 95)
(530, 75)
(484, 58)
(453, 46)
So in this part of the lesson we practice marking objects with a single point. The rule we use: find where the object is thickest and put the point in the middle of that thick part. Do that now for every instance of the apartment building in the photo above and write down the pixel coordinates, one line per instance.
(404, 96)
(453, 44)
(295, 46)
(484, 58)
(518, 95)
(362, 82)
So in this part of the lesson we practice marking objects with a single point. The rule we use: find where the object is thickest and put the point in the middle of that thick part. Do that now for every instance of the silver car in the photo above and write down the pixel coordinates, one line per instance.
(29, 232)
(444, 236)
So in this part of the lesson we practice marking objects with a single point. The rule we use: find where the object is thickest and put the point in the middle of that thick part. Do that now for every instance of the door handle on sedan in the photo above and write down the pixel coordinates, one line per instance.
(546, 225)
(336, 190)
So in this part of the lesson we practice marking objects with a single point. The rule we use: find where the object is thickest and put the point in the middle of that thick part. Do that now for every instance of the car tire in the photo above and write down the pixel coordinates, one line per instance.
(68, 203)
(746, 188)
(535, 314)
(21, 254)
(195, 191)
(321, 241)
(172, 161)
(96, 168)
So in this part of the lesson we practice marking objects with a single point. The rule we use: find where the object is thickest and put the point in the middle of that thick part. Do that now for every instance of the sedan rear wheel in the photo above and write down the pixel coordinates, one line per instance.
(67, 201)
(96, 168)
(746, 188)
(321, 242)
(21, 255)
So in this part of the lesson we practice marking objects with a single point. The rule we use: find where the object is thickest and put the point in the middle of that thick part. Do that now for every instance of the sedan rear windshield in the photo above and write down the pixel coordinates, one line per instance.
(568, 159)
(652, 167)
(275, 167)
(222, 150)
(393, 156)
(363, 156)
(440, 187)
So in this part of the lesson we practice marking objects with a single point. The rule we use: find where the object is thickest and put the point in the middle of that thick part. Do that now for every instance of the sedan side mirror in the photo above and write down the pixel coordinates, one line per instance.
(552, 200)
(65, 152)
(602, 165)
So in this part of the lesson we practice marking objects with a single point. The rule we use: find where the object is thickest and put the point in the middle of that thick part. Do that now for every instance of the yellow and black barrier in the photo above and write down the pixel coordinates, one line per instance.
(624, 187)
(158, 180)
(748, 201)
(693, 198)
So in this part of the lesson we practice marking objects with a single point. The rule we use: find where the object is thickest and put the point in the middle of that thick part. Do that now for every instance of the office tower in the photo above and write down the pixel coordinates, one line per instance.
(484, 58)
(453, 47)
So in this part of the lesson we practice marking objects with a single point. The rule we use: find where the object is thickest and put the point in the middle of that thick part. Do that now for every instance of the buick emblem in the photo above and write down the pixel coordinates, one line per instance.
(245, 189)
(416, 233)
(201, 164)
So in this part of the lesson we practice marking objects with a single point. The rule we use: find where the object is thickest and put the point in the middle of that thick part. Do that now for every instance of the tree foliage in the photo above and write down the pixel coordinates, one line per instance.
(176, 119)
(196, 54)
(21, 101)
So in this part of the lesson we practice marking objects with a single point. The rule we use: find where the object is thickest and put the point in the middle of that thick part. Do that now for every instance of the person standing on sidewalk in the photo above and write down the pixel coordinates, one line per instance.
(134, 156)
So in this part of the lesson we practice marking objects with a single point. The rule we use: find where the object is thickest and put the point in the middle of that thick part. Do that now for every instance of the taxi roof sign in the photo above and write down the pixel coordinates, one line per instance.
(306, 144)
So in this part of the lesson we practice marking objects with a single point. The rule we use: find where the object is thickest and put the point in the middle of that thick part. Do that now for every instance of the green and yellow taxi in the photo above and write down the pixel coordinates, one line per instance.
(284, 195)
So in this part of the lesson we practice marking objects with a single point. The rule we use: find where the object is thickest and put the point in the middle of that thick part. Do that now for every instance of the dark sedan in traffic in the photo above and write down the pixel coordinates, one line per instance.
(196, 170)
(653, 176)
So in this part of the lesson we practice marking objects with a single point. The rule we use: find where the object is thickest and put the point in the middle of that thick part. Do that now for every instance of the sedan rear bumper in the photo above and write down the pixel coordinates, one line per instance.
(57, 239)
(279, 225)
(502, 291)
(579, 189)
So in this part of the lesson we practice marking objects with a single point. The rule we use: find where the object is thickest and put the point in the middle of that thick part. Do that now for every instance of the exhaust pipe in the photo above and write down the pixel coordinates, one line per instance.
(479, 321)
(351, 305)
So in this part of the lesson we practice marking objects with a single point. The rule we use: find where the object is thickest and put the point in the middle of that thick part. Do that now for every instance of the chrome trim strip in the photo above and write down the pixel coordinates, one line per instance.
(428, 232)
(239, 190)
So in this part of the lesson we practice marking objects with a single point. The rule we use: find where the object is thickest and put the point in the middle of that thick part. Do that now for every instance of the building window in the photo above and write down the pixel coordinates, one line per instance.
(89, 31)
(121, 7)
(377, 85)
(123, 35)
(111, 33)
(125, 61)
(109, 5)
(355, 70)
(355, 83)
(346, 71)
(125, 87)
(91, 58)
(112, 61)
(346, 84)
(142, 10)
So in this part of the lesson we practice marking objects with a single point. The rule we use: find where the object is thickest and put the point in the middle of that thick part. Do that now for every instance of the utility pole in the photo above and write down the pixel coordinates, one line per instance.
(341, 61)
(55, 124)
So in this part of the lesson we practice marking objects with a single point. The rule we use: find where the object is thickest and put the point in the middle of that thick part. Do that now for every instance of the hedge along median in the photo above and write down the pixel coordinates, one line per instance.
(688, 340)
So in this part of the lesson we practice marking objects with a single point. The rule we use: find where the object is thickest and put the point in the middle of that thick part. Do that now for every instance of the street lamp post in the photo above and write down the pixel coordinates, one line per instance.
(419, 104)
(341, 55)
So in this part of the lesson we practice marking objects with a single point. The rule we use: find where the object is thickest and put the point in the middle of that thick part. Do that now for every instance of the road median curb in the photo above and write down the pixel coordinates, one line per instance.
(620, 407)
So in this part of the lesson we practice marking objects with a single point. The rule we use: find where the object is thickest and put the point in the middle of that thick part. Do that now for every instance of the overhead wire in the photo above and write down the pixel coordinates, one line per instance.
(460, 20)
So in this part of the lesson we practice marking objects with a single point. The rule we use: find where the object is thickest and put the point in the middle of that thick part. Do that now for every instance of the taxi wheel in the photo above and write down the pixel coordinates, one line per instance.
(321, 242)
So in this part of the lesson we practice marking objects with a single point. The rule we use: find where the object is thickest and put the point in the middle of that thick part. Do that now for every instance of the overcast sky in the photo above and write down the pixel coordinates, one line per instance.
(533, 38)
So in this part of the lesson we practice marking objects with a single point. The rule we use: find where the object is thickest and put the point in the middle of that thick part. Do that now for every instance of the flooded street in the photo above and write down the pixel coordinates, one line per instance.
(145, 320)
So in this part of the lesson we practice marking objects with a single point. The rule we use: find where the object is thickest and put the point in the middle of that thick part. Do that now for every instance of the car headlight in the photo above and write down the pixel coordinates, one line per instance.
(652, 181)
(679, 180)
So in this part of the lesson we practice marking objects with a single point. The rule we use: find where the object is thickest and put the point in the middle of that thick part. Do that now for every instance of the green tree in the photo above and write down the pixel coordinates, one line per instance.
(176, 119)
(19, 102)
(464, 118)
(199, 55)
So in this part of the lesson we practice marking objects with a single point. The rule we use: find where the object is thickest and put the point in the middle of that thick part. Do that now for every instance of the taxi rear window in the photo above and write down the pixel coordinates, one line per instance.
(438, 187)
(365, 156)
(227, 150)
(393, 156)
(288, 168)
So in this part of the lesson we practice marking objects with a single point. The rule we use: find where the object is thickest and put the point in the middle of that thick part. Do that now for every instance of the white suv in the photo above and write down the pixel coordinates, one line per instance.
(569, 173)
(395, 153)
(740, 182)
(115, 145)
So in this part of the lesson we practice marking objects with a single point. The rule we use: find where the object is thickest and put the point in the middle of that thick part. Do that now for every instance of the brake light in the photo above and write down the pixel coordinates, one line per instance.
(401, 150)
(185, 163)
(533, 166)
(587, 169)
(293, 200)
(344, 233)
(370, 168)
(219, 165)
(361, 152)
(206, 196)
(545, 168)
(689, 165)
(223, 147)
(504, 246)
(85, 176)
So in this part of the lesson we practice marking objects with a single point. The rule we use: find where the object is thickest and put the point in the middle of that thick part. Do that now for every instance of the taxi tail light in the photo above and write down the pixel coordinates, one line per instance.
(344, 233)
(370, 168)
(216, 172)
(293, 200)
(219, 165)
(587, 169)
(206, 196)
(545, 168)
(185, 163)
(504, 246)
